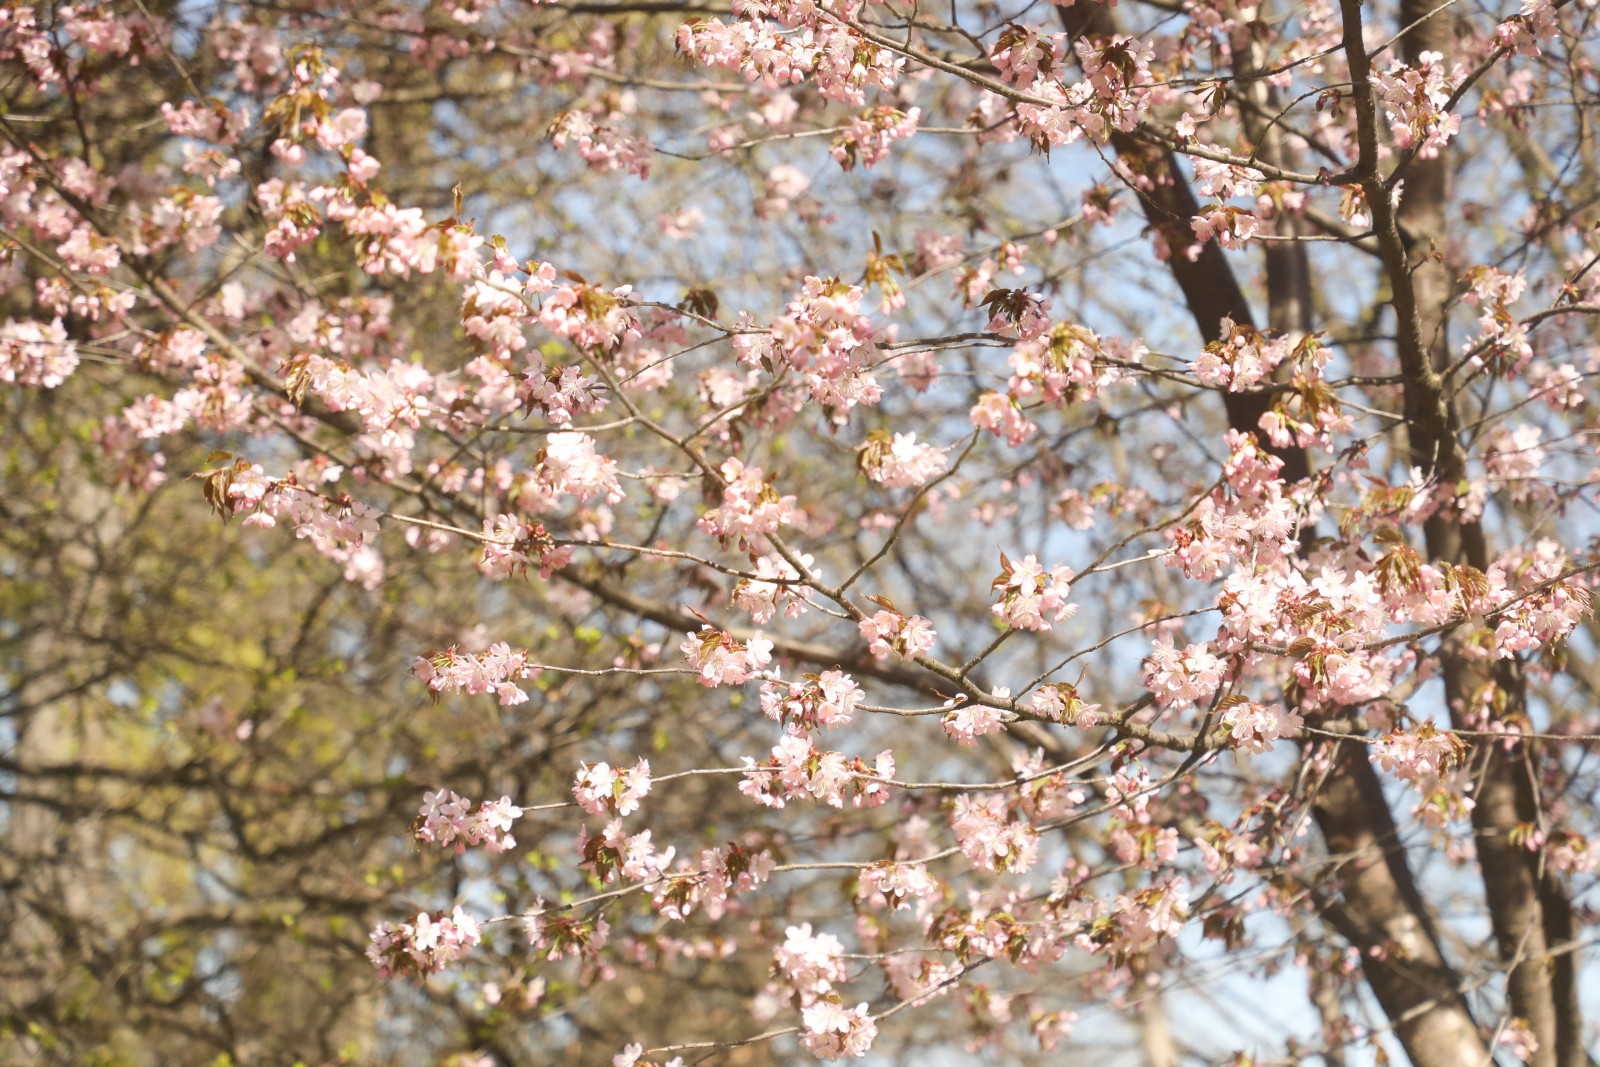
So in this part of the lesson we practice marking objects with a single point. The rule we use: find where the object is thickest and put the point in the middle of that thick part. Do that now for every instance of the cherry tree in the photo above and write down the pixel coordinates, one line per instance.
(1049, 511)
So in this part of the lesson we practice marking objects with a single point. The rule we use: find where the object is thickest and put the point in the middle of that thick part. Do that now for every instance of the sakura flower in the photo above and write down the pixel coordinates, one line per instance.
(1000, 414)
(447, 819)
(423, 946)
(901, 462)
(1255, 726)
(833, 1032)
(889, 632)
(599, 789)
(1181, 678)
(811, 963)
(723, 661)
(1028, 593)
(971, 721)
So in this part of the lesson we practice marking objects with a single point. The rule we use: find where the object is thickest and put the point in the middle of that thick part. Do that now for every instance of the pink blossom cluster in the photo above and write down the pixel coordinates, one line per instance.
(822, 701)
(1513, 455)
(969, 722)
(213, 122)
(1042, 796)
(22, 39)
(587, 315)
(833, 1031)
(723, 661)
(1142, 843)
(721, 872)
(492, 308)
(778, 587)
(1560, 387)
(1023, 55)
(1252, 522)
(1229, 226)
(1114, 95)
(1147, 916)
(750, 509)
(1241, 359)
(613, 851)
(1224, 181)
(424, 946)
(397, 241)
(1422, 757)
(455, 671)
(1254, 727)
(796, 769)
(392, 401)
(1521, 33)
(1060, 703)
(901, 462)
(1414, 99)
(824, 334)
(570, 464)
(1001, 414)
(296, 219)
(895, 885)
(36, 353)
(890, 633)
(916, 977)
(989, 837)
(1565, 850)
(560, 936)
(810, 963)
(559, 392)
(751, 46)
(1502, 342)
(781, 185)
(1309, 415)
(1181, 677)
(449, 820)
(63, 299)
(338, 526)
(842, 63)
(1224, 850)
(1546, 615)
(1064, 362)
(511, 546)
(599, 789)
(1029, 593)
(866, 138)
(604, 145)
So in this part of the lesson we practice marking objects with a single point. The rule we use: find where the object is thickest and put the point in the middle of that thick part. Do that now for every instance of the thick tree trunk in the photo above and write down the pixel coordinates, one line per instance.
(1383, 916)
(1381, 912)
(1516, 890)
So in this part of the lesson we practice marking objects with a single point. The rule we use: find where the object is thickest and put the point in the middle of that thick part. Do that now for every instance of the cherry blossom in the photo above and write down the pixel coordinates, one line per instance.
(1221, 319)
(1028, 593)
(448, 820)
(600, 789)
(890, 633)
(423, 946)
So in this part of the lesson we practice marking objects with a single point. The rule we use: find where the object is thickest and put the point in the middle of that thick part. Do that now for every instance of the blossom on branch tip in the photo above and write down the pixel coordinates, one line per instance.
(1029, 593)
(600, 790)
(723, 661)
(449, 821)
(423, 946)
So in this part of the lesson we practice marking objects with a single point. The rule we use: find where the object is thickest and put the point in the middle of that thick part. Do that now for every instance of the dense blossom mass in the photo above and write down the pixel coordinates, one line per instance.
(712, 355)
